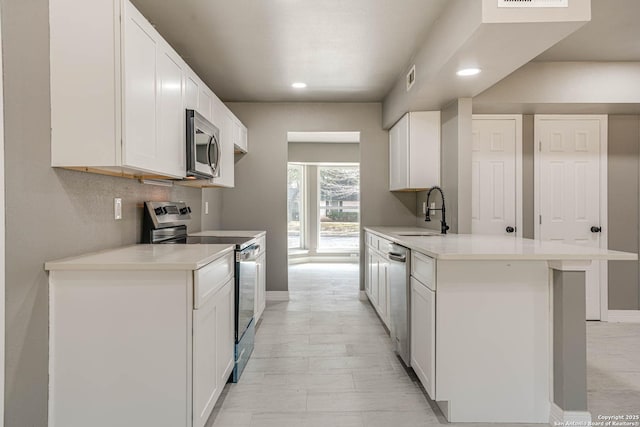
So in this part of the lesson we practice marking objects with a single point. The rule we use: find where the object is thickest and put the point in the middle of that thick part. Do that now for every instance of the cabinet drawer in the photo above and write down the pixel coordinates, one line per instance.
(377, 243)
(211, 277)
(423, 268)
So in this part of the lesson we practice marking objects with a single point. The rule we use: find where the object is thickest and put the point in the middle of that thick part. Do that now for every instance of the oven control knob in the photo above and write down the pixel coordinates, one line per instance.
(185, 210)
(188, 209)
(159, 211)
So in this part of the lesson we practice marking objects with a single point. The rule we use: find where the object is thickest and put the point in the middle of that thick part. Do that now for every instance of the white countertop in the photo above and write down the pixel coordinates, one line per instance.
(144, 257)
(230, 233)
(478, 247)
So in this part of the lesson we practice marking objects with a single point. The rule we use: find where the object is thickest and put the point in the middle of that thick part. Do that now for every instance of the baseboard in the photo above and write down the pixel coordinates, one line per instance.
(363, 296)
(277, 295)
(623, 316)
(560, 417)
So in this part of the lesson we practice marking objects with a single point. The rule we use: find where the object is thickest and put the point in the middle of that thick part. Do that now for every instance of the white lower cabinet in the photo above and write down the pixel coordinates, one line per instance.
(139, 348)
(423, 335)
(377, 277)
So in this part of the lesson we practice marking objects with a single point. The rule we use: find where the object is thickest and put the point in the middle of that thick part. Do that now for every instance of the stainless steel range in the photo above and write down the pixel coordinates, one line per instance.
(165, 223)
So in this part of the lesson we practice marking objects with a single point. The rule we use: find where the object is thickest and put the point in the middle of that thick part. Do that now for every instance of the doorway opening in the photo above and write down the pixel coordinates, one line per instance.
(323, 212)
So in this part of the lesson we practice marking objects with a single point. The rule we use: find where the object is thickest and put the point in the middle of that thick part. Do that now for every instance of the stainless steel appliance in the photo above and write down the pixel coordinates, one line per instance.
(203, 147)
(164, 222)
(400, 297)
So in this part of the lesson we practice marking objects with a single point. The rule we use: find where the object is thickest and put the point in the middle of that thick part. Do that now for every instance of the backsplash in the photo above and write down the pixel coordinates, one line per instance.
(434, 224)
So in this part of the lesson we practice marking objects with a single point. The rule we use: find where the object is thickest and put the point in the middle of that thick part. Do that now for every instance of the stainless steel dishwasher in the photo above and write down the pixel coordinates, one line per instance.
(400, 293)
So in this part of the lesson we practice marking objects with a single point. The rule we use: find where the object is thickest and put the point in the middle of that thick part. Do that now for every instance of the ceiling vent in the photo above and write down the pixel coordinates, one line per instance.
(411, 77)
(533, 3)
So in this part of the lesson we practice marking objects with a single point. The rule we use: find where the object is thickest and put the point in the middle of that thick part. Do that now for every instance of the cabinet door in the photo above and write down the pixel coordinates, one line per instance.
(204, 102)
(171, 116)
(424, 149)
(224, 301)
(140, 144)
(367, 269)
(374, 279)
(192, 90)
(205, 376)
(399, 154)
(423, 334)
(261, 289)
(383, 289)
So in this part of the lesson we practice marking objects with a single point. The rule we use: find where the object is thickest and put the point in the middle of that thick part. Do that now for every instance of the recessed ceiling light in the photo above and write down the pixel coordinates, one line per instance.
(468, 71)
(299, 85)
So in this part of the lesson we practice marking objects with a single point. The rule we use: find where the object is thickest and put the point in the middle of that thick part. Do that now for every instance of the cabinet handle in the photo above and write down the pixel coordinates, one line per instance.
(510, 229)
(595, 229)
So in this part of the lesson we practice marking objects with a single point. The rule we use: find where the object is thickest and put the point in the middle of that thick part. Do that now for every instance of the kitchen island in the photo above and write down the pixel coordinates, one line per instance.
(498, 330)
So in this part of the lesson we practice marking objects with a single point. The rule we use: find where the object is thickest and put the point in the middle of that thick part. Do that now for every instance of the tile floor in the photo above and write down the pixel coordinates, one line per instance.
(323, 359)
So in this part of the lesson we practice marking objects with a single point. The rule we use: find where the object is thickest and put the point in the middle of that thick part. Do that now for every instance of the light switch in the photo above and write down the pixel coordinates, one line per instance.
(117, 208)
(424, 207)
(206, 208)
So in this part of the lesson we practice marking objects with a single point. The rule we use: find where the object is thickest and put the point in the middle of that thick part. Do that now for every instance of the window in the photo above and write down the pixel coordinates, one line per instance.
(338, 208)
(295, 206)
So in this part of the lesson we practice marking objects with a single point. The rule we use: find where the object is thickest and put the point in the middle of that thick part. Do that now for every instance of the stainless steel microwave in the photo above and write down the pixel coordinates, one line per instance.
(203, 147)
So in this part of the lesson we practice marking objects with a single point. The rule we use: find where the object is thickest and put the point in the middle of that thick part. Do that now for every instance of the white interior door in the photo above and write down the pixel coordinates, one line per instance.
(571, 191)
(496, 184)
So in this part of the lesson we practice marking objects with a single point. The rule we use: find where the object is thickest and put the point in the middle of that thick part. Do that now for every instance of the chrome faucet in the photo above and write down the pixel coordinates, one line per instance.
(443, 222)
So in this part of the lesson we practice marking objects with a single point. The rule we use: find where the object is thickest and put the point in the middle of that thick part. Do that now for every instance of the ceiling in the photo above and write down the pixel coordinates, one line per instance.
(346, 51)
(248, 50)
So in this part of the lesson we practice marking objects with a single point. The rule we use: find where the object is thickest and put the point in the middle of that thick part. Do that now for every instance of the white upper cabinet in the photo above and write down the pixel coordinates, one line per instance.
(119, 94)
(116, 91)
(414, 152)
(223, 120)
(240, 136)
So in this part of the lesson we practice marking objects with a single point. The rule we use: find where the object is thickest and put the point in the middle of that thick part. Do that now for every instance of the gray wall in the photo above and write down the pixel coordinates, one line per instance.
(50, 213)
(314, 152)
(455, 170)
(259, 200)
(528, 149)
(624, 209)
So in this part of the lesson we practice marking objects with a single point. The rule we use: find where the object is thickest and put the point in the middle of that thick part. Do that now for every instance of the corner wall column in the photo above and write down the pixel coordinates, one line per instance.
(569, 342)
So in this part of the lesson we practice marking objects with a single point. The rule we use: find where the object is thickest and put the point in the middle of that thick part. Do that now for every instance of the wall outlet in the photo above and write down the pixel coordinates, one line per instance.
(424, 208)
(206, 208)
(117, 208)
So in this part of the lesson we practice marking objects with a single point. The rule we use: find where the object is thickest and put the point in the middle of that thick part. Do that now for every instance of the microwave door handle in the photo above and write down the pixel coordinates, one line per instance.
(213, 143)
(217, 169)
